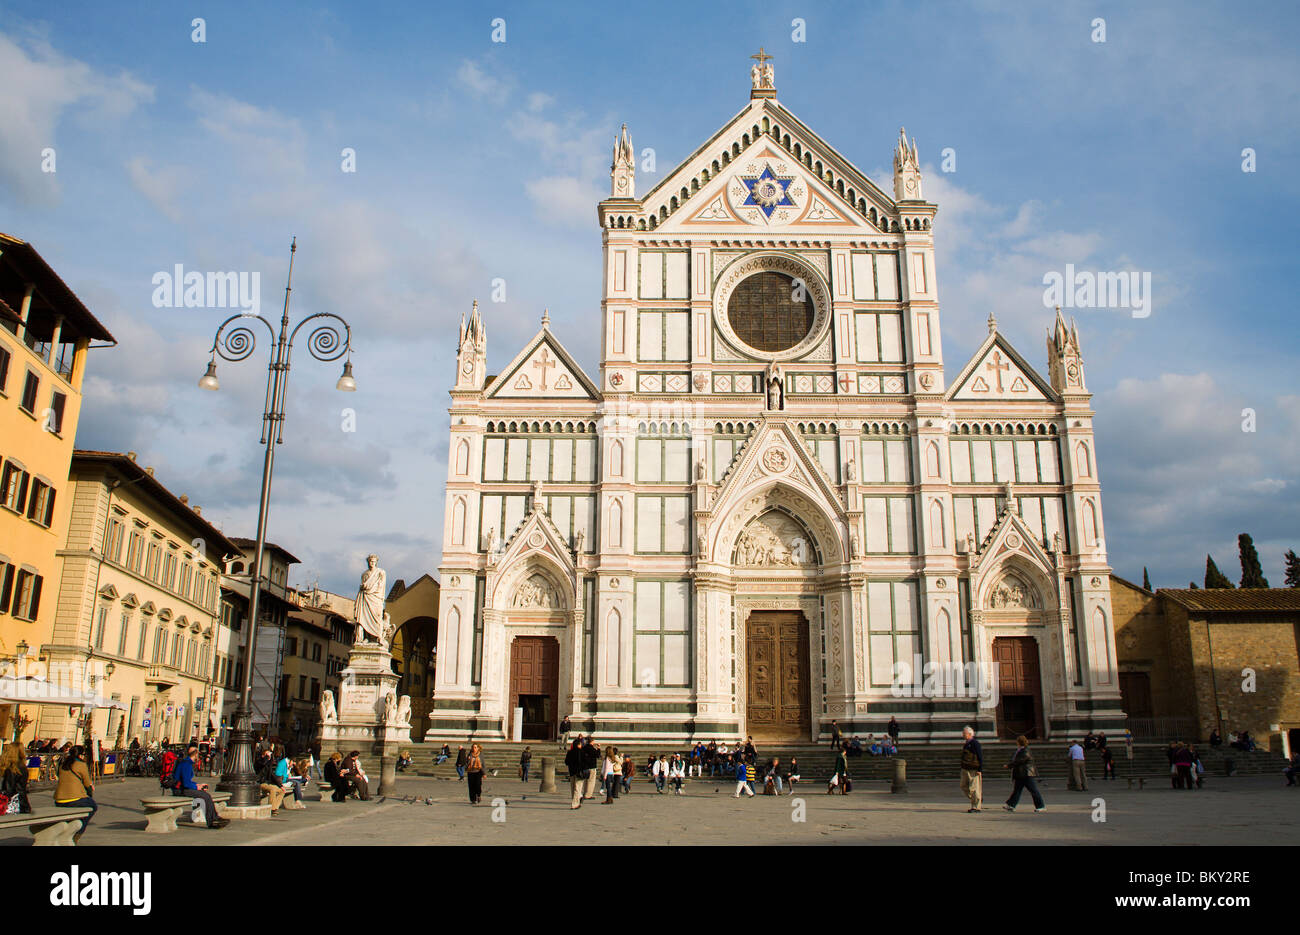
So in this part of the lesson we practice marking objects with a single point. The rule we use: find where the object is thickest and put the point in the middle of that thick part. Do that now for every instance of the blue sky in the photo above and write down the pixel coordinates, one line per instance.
(479, 160)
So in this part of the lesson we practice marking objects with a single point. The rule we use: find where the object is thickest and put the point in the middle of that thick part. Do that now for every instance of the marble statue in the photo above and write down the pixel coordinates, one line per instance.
(328, 713)
(372, 620)
(403, 711)
(390, 708)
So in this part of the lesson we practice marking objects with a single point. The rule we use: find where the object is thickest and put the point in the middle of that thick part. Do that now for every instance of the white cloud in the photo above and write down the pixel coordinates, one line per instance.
(161, 187)
(564, 200)
(40, 88)
(478, 81)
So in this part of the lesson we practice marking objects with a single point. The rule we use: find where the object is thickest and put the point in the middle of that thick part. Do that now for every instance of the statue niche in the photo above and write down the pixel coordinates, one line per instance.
(774, 540)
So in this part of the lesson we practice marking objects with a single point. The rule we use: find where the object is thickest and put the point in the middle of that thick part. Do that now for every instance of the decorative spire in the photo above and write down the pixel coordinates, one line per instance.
(907, 169)
(622, 171)
(993, 324)
(546, 318)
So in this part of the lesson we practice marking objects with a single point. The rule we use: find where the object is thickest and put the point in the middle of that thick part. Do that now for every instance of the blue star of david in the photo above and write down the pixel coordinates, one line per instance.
(767, 191)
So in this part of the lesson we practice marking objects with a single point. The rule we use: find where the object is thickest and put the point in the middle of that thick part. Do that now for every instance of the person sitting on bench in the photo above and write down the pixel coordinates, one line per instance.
(186, 786)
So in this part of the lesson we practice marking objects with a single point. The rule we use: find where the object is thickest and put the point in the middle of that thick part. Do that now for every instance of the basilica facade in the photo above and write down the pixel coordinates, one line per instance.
(772, 506)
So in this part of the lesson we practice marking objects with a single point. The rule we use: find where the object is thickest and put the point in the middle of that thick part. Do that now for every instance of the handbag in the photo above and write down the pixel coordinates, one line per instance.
(4, 804)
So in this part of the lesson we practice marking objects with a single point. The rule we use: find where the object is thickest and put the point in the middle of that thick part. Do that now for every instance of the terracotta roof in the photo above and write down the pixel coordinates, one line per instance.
(1235, 600)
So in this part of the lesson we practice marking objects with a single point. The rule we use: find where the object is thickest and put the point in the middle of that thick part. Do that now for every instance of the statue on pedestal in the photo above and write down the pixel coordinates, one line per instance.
(328, 714)
(373, 625)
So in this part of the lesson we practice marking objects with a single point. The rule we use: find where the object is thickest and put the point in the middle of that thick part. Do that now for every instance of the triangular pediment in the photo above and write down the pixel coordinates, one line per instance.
(1012, 553)
(766, 170)
(108, 592)
(997, 371)
(543, 370)
(775, 455)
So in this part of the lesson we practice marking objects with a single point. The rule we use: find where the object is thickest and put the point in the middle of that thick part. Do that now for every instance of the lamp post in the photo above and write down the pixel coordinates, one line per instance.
(325, 343)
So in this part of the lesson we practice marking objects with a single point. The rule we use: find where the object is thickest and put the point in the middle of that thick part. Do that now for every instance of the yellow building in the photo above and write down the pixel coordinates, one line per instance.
(139, 605)
(45, 331)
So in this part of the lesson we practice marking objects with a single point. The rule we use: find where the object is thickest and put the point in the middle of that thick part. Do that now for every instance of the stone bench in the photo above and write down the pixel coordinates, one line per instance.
(51, 826)
(164, 810)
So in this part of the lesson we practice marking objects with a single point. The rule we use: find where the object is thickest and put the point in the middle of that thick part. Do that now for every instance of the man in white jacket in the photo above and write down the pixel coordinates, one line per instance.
(660, 773)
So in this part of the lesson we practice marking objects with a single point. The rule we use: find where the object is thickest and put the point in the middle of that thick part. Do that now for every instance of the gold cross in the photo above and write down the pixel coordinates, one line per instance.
(761, 56)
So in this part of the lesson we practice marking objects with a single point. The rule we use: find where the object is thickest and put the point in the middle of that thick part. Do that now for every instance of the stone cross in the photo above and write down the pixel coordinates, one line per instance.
(546, 362)
(997, 365)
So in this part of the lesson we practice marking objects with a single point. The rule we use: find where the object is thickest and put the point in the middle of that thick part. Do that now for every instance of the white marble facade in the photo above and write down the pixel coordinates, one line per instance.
(641, 515)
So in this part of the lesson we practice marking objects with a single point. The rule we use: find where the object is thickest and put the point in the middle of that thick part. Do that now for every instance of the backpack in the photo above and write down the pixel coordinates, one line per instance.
(167, 777)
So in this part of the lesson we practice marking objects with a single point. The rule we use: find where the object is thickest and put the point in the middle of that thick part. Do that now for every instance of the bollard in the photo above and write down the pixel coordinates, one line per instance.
(548, 774)
(387, 772)
(900, 775)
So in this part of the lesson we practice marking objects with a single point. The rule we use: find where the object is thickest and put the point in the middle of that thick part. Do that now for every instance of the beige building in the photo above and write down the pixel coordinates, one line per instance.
(1195, 660)
(276, 601)
(44, 334)
(315, 639)
(138, 604)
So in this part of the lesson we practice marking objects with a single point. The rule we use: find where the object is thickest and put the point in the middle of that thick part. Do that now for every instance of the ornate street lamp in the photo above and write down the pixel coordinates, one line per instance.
(325, 343)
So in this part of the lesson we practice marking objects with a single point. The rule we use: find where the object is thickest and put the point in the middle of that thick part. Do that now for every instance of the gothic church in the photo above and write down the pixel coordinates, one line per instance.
(772, 504)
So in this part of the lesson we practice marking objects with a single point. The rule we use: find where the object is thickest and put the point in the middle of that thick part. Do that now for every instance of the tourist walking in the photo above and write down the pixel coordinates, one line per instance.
(892, 730)
(629, 770)
(612, 771)
(462, 759)
(1023, 774)
(1078, 768)
(744, 780)
(75, 790)
(577, 773)
(1107, 764)
(474, 773)
(841, 778)
(525, 761)
(972, 769)
(835, 735)
(1183, 765)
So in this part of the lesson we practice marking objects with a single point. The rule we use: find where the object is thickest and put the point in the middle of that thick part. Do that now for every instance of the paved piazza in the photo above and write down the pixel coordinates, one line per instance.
(1247, 810)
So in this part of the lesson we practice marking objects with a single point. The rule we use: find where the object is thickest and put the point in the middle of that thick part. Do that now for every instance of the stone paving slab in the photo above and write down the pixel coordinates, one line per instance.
(1240, 811)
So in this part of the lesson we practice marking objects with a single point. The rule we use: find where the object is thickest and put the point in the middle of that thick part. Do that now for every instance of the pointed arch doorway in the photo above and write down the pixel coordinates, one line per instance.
(534, 686)
(1020, 687)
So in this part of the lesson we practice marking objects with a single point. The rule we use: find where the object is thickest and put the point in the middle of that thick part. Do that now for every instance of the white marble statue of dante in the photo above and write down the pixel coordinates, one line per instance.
(372, 621)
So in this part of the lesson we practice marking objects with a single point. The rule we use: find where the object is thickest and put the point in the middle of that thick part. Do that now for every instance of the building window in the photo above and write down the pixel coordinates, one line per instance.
(101, 624)
(302, 687)
(151, 563)
(13, 487)
(144, 635)
(134, 550)
(893, 626)
(27, 594)
(40, 505)
(315, 653)
(113, 546)
(7, 572)
(663, 524)
(292, 646)
(30, 387)
(5, 357)
(121, 638)
(58, 402)
(64, 357)
(661, 652)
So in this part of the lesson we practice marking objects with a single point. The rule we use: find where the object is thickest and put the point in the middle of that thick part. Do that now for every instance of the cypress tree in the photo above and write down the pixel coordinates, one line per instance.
(1213, 577)
(1292, 562)
(1146, 579)
(1252, 575)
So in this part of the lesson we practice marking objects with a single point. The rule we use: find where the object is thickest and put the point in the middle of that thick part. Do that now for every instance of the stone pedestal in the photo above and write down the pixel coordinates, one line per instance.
(900, 775)
(245, 812)
(548, 774)
(361, 723)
